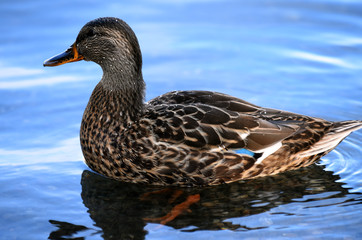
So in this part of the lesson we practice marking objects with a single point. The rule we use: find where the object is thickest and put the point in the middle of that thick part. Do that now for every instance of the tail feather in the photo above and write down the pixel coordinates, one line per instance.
(346, 126)
(336, 134)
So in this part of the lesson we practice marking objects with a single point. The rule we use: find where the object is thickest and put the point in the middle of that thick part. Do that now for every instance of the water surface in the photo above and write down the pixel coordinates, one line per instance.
(300, 56)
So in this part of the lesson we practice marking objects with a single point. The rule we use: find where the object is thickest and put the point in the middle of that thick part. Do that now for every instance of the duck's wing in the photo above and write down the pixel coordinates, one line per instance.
(209, 120)
(215, 99)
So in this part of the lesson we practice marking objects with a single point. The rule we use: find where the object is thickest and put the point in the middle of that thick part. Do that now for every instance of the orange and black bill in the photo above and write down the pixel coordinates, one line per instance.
(70, 55)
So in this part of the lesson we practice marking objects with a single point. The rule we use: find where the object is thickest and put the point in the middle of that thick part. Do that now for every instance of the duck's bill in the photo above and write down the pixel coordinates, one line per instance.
(70, 55)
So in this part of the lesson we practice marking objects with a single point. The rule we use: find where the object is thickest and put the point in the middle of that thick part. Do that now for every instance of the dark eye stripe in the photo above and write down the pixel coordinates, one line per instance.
(90, 33)
(86, 34)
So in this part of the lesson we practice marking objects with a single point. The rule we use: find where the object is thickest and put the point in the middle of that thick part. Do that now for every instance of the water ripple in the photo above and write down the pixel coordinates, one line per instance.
(346, 162)
(323, 59)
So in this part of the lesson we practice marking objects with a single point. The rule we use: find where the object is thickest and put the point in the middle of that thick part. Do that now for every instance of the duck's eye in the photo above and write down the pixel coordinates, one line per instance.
(91, 33)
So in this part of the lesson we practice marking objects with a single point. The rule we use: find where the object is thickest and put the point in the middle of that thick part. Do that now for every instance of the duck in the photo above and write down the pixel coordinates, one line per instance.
(183, 138)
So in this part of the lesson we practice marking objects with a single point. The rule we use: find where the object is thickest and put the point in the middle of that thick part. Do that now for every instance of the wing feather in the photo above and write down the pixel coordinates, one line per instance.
(209, 120)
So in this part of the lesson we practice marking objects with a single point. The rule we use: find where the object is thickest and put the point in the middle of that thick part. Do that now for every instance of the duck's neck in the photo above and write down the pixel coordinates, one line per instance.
(125, 87)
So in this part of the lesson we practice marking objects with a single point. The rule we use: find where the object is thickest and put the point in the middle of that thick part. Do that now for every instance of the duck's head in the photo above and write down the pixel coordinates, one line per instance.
(108, 41)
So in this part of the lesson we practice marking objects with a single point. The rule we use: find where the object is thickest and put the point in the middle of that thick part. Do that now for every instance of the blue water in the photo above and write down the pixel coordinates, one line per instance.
(300, 56)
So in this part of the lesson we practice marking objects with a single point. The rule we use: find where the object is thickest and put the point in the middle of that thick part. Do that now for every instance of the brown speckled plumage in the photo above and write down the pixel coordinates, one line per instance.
(183, 137)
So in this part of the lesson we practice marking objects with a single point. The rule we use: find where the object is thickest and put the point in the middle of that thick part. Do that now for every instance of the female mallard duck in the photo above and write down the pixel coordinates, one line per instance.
(183, 137)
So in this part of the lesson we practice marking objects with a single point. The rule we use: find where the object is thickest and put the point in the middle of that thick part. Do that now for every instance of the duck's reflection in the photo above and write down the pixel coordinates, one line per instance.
(122, 210)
